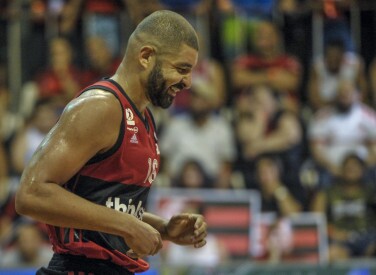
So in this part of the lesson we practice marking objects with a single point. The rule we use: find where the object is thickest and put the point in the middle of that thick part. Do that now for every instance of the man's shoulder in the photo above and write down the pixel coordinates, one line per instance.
(367, 113)
(324, 114)
(96, 99)
(96, 106)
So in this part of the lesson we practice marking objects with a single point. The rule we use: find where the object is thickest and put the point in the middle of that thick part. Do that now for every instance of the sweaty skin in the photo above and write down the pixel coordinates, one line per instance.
(89, 125)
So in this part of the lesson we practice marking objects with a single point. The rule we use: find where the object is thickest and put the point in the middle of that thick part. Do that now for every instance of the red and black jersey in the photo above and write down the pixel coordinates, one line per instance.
(119, 178)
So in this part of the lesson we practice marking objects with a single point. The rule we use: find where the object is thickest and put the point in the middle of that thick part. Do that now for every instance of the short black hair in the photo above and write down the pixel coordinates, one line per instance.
(169, 29)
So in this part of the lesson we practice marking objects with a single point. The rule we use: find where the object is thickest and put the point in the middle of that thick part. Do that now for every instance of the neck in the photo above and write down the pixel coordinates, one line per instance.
(131, 83)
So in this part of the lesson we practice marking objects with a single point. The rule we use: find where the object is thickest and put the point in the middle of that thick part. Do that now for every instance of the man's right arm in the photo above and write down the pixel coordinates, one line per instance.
(88, 126)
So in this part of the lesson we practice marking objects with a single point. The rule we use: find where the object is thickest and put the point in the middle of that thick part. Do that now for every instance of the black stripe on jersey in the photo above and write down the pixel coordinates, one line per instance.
(143, 119)
(130, 198)
(98, 190)
(101, 156)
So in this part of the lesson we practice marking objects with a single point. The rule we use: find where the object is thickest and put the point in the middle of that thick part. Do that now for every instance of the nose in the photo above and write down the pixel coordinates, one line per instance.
(187, 81)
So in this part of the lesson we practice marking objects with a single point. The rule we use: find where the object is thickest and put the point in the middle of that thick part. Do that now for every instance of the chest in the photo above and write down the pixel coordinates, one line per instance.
(347, 129)
(139, 156)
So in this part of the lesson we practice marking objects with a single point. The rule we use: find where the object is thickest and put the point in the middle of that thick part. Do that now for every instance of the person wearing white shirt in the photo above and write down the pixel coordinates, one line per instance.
(347, 127)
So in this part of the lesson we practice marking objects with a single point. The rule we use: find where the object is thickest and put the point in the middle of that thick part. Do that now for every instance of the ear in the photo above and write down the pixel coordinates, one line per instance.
(146, 56)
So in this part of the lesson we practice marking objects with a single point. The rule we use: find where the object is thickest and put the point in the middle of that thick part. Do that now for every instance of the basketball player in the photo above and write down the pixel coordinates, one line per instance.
(89, 179)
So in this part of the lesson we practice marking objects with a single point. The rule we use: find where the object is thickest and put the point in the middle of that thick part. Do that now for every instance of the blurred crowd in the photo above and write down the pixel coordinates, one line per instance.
(264, 111)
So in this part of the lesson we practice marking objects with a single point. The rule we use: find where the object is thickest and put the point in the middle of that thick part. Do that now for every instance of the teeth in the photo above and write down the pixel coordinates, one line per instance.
(174, 89)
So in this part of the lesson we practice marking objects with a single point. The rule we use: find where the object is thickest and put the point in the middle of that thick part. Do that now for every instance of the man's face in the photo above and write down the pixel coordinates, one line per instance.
(170, 75)
(266, 39)
(333, 59)
(345, 97)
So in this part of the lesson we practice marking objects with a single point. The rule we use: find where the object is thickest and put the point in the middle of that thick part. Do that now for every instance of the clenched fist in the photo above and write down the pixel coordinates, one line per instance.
(187, 229)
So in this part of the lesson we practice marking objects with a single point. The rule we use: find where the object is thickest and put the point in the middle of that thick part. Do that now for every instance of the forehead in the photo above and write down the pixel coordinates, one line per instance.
(185, 56)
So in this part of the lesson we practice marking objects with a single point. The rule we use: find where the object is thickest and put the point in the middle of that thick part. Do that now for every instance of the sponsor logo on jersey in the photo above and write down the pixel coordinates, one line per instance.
(134, 129)
(130, 117)
(130, 208)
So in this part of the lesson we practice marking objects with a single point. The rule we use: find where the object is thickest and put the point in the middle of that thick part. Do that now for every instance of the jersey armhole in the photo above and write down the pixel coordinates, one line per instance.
(101, 156)
(153, 122)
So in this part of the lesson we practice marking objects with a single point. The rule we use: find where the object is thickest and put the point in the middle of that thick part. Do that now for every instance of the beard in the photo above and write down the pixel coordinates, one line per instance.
(343, 108)
(156, 88)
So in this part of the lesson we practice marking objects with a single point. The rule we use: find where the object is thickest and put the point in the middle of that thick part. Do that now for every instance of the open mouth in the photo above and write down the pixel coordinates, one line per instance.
(172, 91)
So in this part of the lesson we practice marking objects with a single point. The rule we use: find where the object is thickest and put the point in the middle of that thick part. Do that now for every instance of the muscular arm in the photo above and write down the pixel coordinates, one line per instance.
(288, 205)
(243, 78)
(317, 150)
(88, 125)
(287, 134)
(71, 143)
(280, 79)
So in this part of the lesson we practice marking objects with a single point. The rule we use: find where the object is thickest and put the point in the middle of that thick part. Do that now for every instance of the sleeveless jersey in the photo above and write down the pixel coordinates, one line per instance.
(119, 179)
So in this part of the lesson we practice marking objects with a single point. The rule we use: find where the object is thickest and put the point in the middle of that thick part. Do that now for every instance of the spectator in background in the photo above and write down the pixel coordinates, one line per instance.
(278, 203)
(263, 127)
(61, 80)
(9, 121)
(99, 18)
(29, 249)
(7, 202)
(103, 18)
(139, 9)
(350, 207)
(327, 72)
(347, 127)
(28, 139)
(269, 65)
(199, 135)
(276, 196)
(372, 78)
(192, 175)
(101, 61)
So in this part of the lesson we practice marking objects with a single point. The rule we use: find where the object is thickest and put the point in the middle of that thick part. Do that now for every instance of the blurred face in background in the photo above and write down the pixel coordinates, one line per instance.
(60, 54)
(99, 53)
(352, 170)
(201, 102)
(346, 96)
(266, 40)
(192, 176)
(333, 58)
(44, 118)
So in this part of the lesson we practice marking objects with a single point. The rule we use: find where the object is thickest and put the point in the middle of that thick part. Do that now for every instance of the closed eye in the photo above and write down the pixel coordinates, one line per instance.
(183, 70)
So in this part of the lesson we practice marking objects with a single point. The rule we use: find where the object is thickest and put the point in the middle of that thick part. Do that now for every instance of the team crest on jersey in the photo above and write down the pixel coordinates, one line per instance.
(130, 117)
